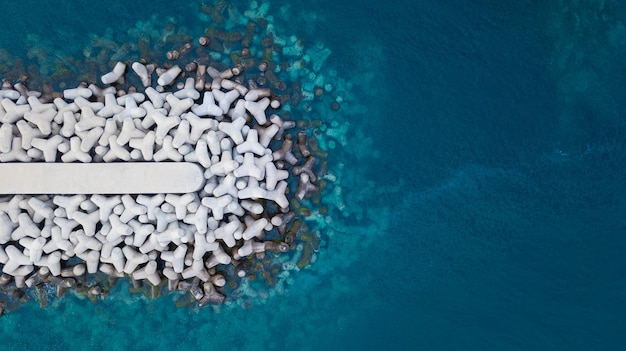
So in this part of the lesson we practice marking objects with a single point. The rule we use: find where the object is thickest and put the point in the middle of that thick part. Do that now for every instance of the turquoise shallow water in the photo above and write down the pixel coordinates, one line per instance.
(483, 180)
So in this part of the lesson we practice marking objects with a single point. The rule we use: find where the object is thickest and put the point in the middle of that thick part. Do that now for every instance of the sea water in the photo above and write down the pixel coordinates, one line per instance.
(482, 188)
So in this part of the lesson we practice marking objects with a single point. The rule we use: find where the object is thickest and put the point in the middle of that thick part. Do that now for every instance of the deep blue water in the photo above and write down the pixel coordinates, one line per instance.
(493, 135)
